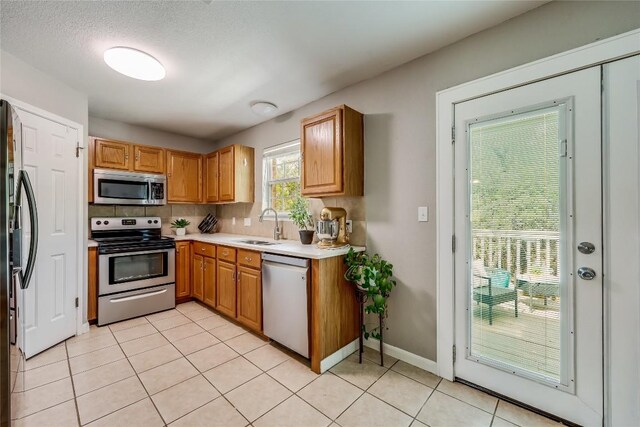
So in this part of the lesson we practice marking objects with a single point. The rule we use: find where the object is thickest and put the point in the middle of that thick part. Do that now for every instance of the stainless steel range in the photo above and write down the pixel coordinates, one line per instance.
(136, 267)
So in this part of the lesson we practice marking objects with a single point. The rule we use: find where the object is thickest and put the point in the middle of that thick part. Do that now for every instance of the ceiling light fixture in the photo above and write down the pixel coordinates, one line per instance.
(134, 63)
(263, 108)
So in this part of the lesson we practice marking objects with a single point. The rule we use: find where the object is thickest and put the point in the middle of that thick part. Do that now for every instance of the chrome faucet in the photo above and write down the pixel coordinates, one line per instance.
(276, 231)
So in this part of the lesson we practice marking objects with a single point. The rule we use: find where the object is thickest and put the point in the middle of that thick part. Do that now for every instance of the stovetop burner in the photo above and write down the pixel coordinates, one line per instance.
(118, 235)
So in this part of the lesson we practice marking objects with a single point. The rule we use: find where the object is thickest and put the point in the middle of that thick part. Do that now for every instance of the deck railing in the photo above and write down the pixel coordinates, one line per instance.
(520, 252)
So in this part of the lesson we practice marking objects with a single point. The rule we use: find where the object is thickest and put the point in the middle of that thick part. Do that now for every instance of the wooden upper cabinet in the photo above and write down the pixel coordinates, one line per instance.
(211, 183)
(226, 174)
(112, 154)
(183, 269)
(184, 177)
(332, 150)
(250, 297)
(230, 175)
(148, 159)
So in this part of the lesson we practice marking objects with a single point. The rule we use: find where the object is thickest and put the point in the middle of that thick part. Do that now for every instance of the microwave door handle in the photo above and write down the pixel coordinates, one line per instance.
(24, 181)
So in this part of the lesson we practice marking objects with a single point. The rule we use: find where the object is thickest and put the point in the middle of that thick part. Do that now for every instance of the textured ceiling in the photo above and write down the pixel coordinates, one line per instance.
(220, 56)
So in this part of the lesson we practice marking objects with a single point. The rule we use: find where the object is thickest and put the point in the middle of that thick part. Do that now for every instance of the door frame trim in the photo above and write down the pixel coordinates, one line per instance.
(617, 47)
(82, 325)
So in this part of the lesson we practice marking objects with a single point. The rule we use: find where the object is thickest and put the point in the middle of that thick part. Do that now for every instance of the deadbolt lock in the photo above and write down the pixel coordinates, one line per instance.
(586, 247)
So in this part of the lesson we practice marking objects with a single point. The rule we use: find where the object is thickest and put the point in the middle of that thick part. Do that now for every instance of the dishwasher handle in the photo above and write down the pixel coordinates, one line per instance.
(267, 265)
(287, 260)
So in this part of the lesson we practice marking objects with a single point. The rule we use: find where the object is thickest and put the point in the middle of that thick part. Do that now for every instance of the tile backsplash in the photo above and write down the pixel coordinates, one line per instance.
(354, 206)
(168, 213)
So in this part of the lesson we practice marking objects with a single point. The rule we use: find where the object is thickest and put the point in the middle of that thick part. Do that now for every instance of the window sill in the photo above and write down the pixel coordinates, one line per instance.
(281, 217)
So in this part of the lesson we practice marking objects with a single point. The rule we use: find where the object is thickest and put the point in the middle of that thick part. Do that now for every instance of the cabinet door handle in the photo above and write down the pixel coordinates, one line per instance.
(247, 258)
(225, 253)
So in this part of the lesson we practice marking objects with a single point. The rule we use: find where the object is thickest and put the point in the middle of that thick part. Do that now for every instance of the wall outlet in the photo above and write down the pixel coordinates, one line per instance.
(423, 214)
(247, 222)
(233, 221)
(349, 226)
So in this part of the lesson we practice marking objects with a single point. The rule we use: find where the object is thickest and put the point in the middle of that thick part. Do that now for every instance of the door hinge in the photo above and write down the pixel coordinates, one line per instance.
(453, 135)
(78, 148)
(77, 302)
(563, 148)
(454, 353)
(453, 243)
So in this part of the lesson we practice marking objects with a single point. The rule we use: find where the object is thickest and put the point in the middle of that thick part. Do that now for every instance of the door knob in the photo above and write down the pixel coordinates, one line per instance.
(586, 273)
(586, 247)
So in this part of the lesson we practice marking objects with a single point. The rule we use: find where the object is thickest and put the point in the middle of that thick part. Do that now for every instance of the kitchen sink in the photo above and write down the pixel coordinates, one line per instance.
(258, 242)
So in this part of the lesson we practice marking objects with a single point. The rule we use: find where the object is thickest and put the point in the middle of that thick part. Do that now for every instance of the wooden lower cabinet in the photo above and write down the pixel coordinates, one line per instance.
(92, 291)
(226, 288)
(250, 297)
(183, 270)
(198, 277)
(209, 275)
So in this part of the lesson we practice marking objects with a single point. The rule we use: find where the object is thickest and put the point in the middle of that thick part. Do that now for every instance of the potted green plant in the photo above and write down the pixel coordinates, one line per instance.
(373, 277)
(301, 217)
(180, 226)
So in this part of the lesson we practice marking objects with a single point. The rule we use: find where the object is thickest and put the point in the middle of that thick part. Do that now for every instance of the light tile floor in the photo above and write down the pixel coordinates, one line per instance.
(191, 367)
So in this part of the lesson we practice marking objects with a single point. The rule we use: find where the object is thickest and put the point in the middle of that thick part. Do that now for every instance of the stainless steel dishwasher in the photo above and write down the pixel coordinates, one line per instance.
(284, 301)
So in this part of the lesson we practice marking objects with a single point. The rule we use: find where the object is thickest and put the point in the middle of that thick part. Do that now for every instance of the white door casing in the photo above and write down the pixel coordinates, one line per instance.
(581, 399)
(621, 119)
(47, 307)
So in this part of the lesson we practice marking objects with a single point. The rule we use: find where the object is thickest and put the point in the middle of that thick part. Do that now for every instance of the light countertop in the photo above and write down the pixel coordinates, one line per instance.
(283, 247)
(92, 243)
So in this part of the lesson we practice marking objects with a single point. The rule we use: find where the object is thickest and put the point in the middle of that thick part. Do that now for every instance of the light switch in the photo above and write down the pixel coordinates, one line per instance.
(233, 221)
(349, 226)
(423, 214)
(247, 222)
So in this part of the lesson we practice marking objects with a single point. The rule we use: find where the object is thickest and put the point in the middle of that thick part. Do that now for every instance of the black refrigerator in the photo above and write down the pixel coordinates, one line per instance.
(17, 202)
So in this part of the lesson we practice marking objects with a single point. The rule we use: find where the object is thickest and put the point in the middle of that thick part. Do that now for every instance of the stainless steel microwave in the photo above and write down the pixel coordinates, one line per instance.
(111, 187)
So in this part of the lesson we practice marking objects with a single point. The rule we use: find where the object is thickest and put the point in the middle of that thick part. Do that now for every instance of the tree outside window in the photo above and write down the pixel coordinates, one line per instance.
(281, 170)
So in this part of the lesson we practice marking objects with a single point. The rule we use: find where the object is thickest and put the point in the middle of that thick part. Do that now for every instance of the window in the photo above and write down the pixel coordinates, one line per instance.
(281, 176)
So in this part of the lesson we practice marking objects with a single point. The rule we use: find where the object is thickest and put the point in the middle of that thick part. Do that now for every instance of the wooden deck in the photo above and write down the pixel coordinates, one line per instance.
(530, 341)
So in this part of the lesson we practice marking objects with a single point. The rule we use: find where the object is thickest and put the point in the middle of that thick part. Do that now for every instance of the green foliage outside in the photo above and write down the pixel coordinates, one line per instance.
(515, 173)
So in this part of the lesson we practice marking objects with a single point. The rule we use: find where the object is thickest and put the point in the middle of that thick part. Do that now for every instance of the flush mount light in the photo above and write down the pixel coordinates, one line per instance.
(134, 63)
(263, 108)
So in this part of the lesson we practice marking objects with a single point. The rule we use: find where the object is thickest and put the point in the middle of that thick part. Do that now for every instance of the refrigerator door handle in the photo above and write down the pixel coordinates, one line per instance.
(24, 181)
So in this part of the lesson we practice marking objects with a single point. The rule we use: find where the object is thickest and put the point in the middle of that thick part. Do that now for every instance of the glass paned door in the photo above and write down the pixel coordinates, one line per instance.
(527, 194)
(516, 177)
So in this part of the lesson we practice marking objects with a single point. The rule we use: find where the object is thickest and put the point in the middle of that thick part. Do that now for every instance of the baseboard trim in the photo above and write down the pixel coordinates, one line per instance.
(404, 355)
(337, 357)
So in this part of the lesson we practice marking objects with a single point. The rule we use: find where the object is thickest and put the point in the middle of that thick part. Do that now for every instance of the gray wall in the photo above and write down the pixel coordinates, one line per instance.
(400, 141)
(23, 82)
(131, 133)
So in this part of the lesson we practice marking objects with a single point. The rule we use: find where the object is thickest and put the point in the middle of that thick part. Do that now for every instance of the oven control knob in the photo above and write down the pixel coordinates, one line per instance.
(155, 221)
(98, 222)
(106, 223)
(149, 221)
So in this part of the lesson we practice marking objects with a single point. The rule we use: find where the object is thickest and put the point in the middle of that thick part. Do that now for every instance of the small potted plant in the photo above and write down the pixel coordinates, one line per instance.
(301, 217)
(180, 226)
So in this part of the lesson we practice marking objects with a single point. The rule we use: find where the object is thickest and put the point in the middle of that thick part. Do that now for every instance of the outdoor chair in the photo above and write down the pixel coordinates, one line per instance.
(492, 287)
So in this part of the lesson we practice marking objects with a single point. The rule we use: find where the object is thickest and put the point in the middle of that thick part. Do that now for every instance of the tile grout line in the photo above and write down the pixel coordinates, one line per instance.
(73, 387)
(139, 380)
(199, 374)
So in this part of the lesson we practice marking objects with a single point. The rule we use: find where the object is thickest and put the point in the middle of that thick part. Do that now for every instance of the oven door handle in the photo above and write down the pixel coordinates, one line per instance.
(135, 297)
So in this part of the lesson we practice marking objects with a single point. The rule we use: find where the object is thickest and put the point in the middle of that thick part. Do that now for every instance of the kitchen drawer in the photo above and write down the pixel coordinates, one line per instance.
(204, 249)
(249, 258)
(226, 254)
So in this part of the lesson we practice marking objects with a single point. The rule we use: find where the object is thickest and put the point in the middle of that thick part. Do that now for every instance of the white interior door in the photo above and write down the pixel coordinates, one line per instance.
(527, 193)
(47, 307)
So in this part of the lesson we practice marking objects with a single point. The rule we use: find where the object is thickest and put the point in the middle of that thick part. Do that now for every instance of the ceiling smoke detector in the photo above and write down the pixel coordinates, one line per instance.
(134, 63)
(263, 108)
